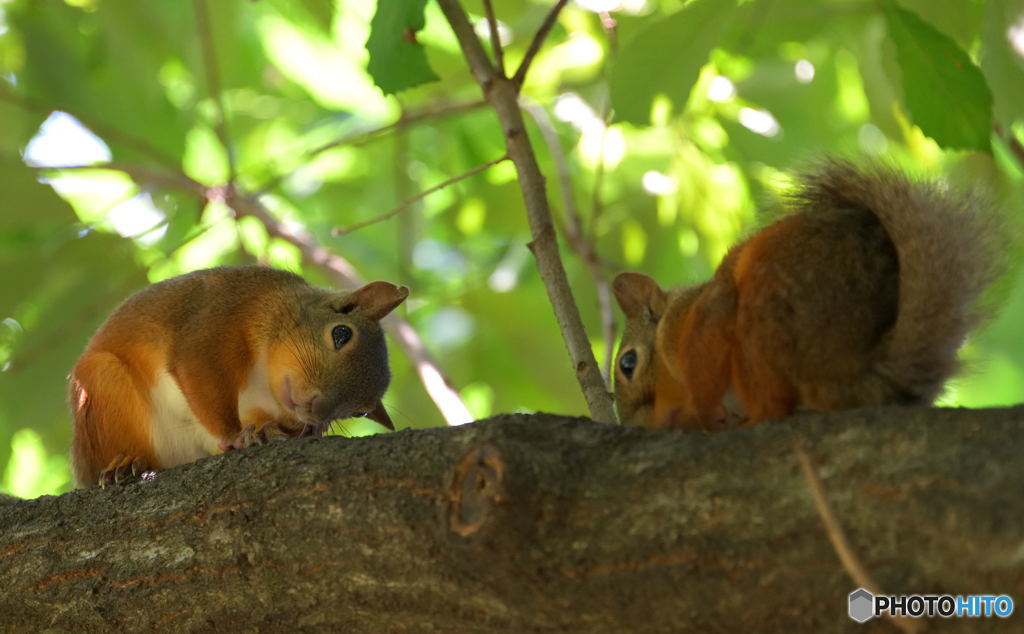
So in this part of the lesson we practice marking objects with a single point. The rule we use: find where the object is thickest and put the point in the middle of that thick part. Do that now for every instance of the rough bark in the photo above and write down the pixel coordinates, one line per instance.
(533, 523)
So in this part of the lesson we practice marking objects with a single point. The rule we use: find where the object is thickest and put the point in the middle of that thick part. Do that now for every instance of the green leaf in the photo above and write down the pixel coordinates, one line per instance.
(666, 57)
(397, 60)
(945, 92)
(1001, 64)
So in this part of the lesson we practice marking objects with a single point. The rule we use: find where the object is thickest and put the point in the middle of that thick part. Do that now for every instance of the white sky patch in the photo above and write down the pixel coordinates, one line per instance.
(872, 140)
(625, 6)
(659, 184)
(595, 140)
(62, 140)
(483, 31)
(569, 107)
(1015, 35)
(505, 276)
(760, 121)
(803, 70)
(721, 89)
(139, 218)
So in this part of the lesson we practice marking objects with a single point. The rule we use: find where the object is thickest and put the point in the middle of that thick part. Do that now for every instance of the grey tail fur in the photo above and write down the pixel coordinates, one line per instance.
(946, 245)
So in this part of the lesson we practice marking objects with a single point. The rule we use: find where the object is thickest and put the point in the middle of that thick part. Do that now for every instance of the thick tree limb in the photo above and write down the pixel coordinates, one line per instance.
(503, 95)
(533, 523)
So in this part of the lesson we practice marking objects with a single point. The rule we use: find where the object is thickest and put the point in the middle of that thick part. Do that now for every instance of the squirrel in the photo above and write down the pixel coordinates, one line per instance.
(859, 297)
(222, 359)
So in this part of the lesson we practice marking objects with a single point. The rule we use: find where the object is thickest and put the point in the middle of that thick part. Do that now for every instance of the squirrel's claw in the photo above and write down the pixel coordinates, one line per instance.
(122, 470)
(251, 437)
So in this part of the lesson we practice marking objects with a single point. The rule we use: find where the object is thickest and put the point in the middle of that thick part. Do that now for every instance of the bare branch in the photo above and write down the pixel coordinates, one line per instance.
(365, 136)
(538, 40)
(837, 536)
(213, 85)
(578, 241)
(138, 173)
(473, 51)
(405, 204)
(492, 23)
(502, 93)
(610, 27)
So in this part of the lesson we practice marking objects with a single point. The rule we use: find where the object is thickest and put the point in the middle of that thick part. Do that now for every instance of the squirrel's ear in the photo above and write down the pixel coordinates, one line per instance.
(377, 299)
(380, 415)
(636, 291)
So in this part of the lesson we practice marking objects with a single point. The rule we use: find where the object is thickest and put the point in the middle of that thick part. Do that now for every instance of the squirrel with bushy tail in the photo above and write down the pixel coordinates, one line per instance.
(861, 296)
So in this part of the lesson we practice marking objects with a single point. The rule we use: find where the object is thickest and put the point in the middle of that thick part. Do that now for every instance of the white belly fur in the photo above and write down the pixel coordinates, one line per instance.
(178, 436)
(257, 395)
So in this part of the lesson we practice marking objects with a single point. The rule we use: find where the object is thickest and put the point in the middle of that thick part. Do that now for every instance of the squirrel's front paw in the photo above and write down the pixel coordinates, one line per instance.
(122, 470)
(251, 437)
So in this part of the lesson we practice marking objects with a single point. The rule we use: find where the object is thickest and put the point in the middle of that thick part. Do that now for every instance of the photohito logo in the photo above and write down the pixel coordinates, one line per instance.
(864, 605)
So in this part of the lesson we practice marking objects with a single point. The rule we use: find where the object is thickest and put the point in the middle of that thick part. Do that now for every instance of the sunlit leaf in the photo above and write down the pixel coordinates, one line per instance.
(945, 92)
(397, 60)
(666, 57)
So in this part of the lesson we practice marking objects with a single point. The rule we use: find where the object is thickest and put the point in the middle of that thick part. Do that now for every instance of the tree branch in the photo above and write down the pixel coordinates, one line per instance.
(472, 50)
(492, 23)
(531, 524)
(837, 536)
(502, 94)
(359, 138)
(538, 40)
(138, 173)
(583, 247)
(405, 204)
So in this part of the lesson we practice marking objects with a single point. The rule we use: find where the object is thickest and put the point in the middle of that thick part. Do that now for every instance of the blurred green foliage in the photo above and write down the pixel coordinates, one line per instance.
(713, 102)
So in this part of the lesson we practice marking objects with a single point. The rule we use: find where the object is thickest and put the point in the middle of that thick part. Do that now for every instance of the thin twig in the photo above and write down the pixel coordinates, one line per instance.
(405, 204)
(365, 136)
(502, 93)
(406, 233)
(479, 65)
(538, 40)
(1012, 142)
(492, 23)
(138, 173)
(578, 242)
(837, 536)
(610, 27)
(206, 45)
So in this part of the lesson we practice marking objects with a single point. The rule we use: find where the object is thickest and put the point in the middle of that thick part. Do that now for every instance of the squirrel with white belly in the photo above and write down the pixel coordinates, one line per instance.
(861, 296)
(222, 359)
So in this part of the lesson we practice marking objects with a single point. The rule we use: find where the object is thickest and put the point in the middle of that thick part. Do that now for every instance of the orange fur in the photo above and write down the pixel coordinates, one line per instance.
(860, 298)
(177, 369)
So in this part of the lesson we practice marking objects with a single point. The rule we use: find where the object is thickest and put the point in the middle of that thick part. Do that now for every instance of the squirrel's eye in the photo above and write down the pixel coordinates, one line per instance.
(341, 335)
(627, 363)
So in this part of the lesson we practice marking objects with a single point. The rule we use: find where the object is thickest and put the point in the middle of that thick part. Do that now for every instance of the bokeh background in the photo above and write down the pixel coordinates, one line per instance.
(664, 127)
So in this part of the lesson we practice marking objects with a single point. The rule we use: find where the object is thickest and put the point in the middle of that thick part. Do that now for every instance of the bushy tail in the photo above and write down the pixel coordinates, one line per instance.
(946, 242)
